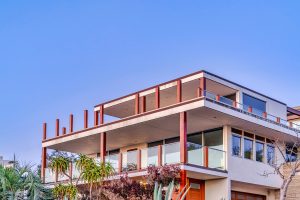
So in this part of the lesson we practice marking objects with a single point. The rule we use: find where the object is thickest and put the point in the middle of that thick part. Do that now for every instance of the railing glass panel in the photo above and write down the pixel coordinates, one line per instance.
(49, 176)
(195, 154)
(129, 160)
(113, 159)
(171, 153)
(216, 159)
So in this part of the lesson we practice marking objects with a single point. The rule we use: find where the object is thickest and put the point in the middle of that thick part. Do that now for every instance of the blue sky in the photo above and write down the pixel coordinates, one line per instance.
(61, 57)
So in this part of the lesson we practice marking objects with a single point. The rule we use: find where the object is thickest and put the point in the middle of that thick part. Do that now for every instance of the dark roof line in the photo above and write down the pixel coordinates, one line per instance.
(201, 71)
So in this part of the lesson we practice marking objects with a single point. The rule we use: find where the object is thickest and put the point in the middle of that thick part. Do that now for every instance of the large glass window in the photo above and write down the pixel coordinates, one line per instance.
(259, 151)
(248, 148)
(270, 154)
(236, 145)
(214, 139)
(257, 104)
(291, 153)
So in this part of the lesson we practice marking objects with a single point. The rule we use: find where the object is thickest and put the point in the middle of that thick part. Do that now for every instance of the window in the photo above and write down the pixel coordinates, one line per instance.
(270, 154)
(214, 139)
(291, 153)
(248, 148)
(236, 145)
(259, 151)
(257, 104)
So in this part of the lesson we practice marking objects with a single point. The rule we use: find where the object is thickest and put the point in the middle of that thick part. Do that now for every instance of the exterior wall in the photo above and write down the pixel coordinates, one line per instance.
(249, 171)
(217, 189)
(272, 107)
(293, 192)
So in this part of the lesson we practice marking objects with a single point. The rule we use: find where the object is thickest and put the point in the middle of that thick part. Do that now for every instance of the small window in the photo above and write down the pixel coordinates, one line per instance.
(236, 131)
(270, 154)
(259, 151)
(291, 153)
(236, 145)
(248, 148)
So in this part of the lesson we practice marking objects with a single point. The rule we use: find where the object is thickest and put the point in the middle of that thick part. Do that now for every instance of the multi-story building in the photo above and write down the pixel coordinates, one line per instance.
(220, 134)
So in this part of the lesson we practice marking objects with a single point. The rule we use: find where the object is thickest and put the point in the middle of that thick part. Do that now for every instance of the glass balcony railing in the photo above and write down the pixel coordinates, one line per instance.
(171, 153)
(216, 159)
(197, 155)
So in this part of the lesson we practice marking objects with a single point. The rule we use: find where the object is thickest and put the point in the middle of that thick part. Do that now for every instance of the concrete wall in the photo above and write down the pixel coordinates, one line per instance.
(217, 189)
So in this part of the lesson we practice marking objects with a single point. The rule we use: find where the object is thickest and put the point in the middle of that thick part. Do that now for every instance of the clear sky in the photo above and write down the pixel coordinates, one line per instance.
(61, 57)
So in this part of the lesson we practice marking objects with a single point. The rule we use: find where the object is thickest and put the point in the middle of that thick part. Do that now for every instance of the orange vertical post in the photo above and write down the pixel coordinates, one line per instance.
(44, 131)
(57, 128)
(137, 104)
(86, 118)
(44, 163)
(179, 91)
(101, 114)
(157, 98)
(143, 104)
(102, 146)
(96, 118)
(183, 137)
(71, 123)
(159, 161)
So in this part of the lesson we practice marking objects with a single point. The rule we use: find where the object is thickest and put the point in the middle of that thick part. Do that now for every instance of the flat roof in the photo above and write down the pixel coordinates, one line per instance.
(198, 72)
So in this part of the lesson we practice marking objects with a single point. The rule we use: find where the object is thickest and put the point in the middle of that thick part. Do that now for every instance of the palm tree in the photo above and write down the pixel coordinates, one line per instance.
(22, 182)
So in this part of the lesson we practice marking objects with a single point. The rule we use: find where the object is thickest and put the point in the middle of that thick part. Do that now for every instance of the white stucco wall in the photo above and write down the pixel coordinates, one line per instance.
(217, 189)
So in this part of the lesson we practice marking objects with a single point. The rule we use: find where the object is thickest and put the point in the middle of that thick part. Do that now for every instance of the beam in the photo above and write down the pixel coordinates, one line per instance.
(86, 119)
(157, 98)
(57, 128)
(179, 91)
(71, 123)
(137, 104)
(43, 164)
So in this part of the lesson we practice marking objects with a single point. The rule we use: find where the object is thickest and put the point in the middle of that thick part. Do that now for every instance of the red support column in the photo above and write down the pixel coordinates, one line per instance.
(250, 109)
(44, 163)
(71, 170)
(120, 163)
(102, 146)
(183, 137)
(44, 131)
(101, 114)
(137, 104)
(96, 118)
(64, 130)
(143, 104)
(183, 179)
(86, 118)
(218, 97)
(179, 91)
(264, 114)
(199, 92)
(159, 162)
(71, 120)
(205, 153)
(278, 120)
(203, 85)
(157, 98)
(139, 159)
(57, 128)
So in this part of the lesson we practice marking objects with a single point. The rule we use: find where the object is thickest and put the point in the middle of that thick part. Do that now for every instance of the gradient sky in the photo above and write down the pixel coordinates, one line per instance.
(61, 57)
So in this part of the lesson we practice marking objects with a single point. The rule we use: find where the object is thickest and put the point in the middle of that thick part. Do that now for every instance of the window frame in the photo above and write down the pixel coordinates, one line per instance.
(240, 137)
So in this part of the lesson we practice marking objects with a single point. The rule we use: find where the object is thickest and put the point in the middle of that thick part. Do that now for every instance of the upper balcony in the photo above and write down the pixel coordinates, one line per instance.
(215, 93)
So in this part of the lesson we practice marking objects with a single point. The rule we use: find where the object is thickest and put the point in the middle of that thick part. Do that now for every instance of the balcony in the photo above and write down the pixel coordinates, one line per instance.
(139, 160)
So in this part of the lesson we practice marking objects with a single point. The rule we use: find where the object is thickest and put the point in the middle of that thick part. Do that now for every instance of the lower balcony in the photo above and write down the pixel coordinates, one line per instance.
(138, 160)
